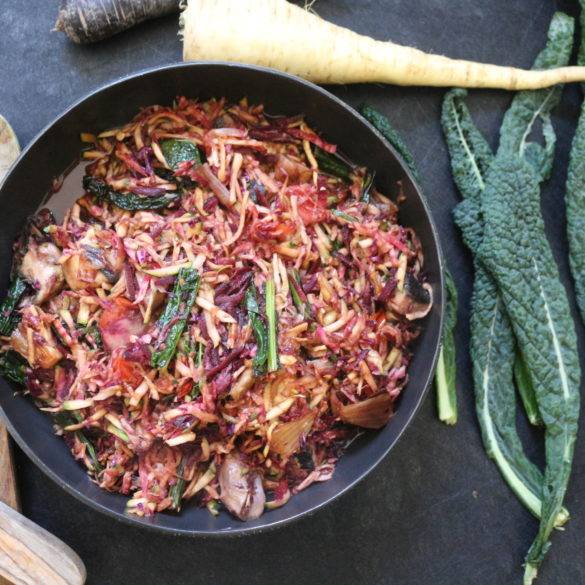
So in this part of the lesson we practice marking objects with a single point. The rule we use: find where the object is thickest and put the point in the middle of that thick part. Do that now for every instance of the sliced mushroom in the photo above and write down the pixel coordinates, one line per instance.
(414, 301)
(34, 340)
(98, 258)
(241, 489)
(40, 267)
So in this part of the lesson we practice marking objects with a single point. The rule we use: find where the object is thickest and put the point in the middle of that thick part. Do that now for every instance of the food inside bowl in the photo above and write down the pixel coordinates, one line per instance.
(227, 305)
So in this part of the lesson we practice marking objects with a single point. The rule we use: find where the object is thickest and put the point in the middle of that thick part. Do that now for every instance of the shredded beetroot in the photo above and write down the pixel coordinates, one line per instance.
(130, 280)
(313, 138)
(233, 355)
(387, 291)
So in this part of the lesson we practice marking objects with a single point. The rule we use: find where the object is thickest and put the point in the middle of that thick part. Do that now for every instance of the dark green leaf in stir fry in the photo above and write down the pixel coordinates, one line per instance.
(174, 317)
(178, 151)
(128, 201)
(13, 367)
(332, 165)
(178, 489)
(64, 419)
(298, 294)
(9, 317)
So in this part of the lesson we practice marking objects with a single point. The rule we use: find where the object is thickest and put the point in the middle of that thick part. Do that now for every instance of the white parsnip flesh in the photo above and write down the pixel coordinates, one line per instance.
(275, 33)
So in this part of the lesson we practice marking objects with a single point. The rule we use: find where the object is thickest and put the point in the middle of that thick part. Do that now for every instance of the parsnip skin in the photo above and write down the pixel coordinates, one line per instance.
(277, 34)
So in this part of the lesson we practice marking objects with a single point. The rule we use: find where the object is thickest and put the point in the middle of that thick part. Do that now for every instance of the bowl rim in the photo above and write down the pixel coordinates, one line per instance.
(242, 529)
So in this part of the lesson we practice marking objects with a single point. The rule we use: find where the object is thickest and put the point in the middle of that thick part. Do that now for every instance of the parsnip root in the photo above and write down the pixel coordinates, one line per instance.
(277, 34)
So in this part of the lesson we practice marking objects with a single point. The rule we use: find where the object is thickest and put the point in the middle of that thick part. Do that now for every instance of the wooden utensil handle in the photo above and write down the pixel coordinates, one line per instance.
(29, 555)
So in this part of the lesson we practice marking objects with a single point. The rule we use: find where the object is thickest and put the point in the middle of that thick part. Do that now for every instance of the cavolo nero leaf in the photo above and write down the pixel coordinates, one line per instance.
(471, 157)
(492, 340)
(469, 151)
(518, 255)
(575, 194)
(493, 355)
(530, 106)
(381, 123)
(492, 343)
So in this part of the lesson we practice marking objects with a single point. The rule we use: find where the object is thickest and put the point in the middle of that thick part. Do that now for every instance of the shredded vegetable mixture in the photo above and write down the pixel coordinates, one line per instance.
(221, 312)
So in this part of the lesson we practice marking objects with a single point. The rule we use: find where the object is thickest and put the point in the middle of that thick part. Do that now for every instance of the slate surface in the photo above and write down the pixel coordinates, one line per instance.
(436, 510)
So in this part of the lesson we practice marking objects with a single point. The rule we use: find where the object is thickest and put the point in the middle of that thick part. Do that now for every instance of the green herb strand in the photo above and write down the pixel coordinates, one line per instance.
(272, 361)
(332, 165)
(260, 331)
(178, 489)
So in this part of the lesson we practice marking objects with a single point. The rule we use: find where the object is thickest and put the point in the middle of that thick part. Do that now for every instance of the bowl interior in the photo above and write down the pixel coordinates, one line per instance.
(58, 146)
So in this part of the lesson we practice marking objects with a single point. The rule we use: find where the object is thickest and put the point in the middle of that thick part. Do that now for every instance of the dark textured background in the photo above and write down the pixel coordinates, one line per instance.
(436, 510)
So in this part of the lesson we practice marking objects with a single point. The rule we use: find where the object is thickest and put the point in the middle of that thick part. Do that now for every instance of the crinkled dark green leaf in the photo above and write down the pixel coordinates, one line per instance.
(518, 255)
(385, 128)
(469, 151)
(575, 202)
(530, 106)
(492, 355)
(575, 192)
(492, 339)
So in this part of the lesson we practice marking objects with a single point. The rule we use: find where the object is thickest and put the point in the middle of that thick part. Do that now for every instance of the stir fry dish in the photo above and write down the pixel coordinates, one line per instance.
(228, 304)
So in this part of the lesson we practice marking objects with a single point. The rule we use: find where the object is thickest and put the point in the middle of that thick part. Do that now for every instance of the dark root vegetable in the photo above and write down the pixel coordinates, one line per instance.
(88, 21)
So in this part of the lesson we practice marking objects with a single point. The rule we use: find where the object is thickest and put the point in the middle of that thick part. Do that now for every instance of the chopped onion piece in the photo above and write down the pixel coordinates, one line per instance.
(77, 404)
(372, 413)
(286, 437)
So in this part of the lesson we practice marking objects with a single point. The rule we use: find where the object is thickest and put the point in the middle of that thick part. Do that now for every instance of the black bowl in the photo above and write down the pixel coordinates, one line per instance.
(58, 146)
